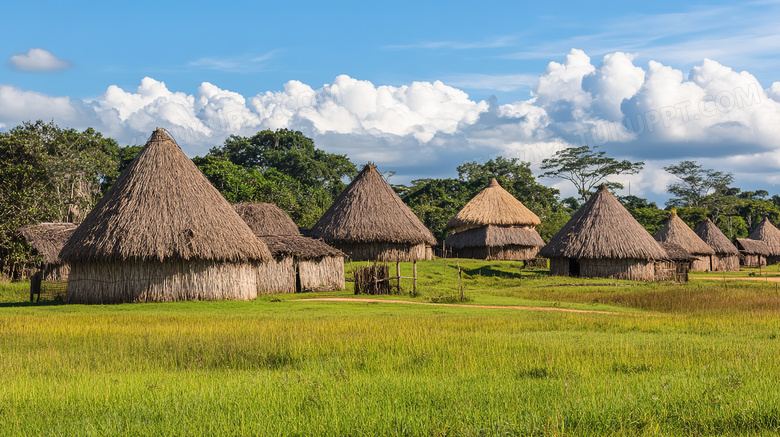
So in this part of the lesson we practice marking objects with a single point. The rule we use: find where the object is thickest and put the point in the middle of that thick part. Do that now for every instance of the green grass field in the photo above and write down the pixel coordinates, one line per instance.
(693, 359)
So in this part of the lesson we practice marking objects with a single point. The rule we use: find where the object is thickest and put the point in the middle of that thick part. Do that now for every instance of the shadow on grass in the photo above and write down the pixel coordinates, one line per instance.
(489, 271)
(43, 303)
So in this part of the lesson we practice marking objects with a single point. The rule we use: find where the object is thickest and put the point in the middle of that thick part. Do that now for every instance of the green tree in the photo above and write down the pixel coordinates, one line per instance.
(586, 168)
(694, 183)
(48, 174)
(291, 153)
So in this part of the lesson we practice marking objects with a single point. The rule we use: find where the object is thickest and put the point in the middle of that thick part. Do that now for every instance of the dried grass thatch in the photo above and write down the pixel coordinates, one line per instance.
(603, 229)
(163, 208)
(677, 232)
(770, 235)
(48, 239)
(676, 266)
(266, 219)
(369, 211)
(752, 247)
(162, 233)
(493, 206)
(675, 252)
(496, 243)
(710, 234)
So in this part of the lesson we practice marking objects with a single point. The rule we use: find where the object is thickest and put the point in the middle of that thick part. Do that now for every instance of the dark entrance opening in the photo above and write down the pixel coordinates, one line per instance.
(574, 267)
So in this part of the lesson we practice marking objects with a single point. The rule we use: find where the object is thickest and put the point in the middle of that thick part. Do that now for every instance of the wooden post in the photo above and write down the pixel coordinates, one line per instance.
(444, 272)
(414, 289)
(398, 273)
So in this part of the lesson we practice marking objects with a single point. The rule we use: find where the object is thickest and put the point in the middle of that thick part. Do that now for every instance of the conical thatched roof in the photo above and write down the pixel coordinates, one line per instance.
(495, 236)
(603, 228)
(710, 234)
(677, 232)
(163, 208)
(368, 211)
(492, 206)
(48, 239)
(266, 219)
(769, 234)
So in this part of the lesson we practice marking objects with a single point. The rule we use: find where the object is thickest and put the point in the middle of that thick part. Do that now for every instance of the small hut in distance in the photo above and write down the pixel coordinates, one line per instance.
(369, 221)
(753, 253)
(676, 266)
(769, 234)
(162, 232)
(47, 239)
(299, 263)
(603, 240)
(494, 226)
(726, 257)
(675, 231)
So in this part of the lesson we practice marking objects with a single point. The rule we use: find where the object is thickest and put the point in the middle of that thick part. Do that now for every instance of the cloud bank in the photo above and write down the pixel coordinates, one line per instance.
(723, 118)
(38, 60)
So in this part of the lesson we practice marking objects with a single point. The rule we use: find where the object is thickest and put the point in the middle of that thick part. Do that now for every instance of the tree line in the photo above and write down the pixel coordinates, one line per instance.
(52, 174)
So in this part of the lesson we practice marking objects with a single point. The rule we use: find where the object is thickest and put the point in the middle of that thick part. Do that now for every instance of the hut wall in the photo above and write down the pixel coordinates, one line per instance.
(510, 252)
(725, 263)
(702, 263)
(276, 276)
(672, 270)
(56, 272)
(559, 266)
(752, 260)
(633, 269)
(324, 274)
(153, 281)
(385, 251)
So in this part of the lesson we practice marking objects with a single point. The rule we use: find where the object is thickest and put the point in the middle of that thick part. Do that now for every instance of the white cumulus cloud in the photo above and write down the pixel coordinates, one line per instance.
(37, 59)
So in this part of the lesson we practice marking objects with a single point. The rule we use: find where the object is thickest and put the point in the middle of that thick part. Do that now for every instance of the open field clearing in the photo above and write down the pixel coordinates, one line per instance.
(693, 359)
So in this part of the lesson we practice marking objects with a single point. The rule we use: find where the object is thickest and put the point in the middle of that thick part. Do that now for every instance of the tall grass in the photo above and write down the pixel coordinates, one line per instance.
(292, 367)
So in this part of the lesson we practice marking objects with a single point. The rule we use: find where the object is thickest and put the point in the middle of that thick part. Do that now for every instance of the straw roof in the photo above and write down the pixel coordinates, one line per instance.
(280, 233)
(48, 239)
(163, 208)
(710, 234)
(769, 234)
(369, 211)
(677, 253)
(676, 231)
(495, 236)
(752, 247)
(492, 206)
(603, 228)
(266, 219)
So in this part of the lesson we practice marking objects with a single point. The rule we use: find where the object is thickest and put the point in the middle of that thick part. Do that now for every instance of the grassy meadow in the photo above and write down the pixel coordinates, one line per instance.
(650, 359)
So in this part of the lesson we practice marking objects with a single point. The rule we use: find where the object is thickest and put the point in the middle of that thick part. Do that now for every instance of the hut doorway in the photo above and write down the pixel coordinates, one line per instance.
(298, 285)
(574, 267)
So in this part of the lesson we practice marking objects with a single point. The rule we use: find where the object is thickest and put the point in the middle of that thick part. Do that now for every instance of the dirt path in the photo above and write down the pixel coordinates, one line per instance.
(514, 307)
(751, 278)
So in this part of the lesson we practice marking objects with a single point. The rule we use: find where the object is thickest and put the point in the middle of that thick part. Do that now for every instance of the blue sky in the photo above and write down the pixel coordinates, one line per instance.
(417, 88)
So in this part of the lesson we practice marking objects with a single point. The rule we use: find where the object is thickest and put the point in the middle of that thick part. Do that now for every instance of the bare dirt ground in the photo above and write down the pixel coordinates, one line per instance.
(514, 307)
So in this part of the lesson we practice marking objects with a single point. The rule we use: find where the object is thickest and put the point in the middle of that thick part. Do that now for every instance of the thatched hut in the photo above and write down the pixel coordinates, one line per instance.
(299, 263)
(162, 233)
(675, 231)
(726, 258)
(752, 253)
(769, 234)
(47, 239)
(603, 240)
(677, 264)
(368, 221)
(494, 226)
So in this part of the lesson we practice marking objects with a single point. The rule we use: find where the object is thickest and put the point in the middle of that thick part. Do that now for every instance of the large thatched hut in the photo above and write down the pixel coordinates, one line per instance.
(494, 225)
(47, 239)
(162, 233)
(726, 258)
(299, 263)
(603, 240)
(769, 234)
(752, 253)
(675, 231)
(368, 221)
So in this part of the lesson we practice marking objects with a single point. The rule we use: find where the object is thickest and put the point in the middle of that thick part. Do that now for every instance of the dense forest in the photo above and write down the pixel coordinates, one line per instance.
(51, 174)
